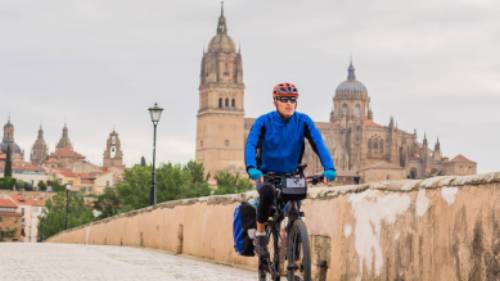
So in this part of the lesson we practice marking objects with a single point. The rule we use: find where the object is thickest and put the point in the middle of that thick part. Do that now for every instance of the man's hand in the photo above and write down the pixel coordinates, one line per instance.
(329, 175)
(255, 174)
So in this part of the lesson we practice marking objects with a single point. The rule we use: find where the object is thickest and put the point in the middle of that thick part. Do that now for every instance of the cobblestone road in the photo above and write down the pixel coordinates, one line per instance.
(67, 262)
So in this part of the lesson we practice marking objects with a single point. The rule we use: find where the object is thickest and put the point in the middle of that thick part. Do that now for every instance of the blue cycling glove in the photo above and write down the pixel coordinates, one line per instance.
(255, 174)
(330, 175)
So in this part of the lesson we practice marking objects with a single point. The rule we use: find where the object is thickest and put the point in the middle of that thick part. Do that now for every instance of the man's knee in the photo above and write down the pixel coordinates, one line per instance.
(266, 192)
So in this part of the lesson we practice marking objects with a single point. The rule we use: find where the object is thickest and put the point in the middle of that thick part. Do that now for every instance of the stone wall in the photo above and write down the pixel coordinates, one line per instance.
(442, 228)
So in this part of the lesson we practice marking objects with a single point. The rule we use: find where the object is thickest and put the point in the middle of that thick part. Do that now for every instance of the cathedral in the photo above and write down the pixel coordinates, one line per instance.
(363, 150)
(64, 164)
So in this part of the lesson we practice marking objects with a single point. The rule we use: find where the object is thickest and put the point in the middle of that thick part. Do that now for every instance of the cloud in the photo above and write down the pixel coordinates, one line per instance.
(100, 64)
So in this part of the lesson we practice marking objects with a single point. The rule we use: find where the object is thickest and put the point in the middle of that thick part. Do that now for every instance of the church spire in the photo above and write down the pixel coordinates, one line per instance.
(40, 132)
(39, 151)
(65, 142)
(221, 25)
(351, 76)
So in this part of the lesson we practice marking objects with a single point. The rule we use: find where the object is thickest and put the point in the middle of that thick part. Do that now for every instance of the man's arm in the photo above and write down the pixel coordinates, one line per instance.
(314, 137)
(254, 137)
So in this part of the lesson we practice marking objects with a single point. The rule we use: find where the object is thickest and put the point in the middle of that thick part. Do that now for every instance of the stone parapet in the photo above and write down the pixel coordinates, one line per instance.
(441, 228)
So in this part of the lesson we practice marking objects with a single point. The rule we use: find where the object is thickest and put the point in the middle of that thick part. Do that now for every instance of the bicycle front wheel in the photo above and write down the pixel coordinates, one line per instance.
(298, 253)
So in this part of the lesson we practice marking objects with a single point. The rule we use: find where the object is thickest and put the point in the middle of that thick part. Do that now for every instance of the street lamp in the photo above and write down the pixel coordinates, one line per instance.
(155, 113)
(68, 189)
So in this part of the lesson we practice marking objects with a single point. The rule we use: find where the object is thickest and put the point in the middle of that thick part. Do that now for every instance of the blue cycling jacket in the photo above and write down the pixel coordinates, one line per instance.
(277, 145)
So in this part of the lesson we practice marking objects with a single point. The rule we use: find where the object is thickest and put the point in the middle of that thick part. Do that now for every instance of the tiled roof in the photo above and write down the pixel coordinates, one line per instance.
(371, 123)
(24, 201)
(66, 172)
(7, 203)
(460, 158)
(66, 152)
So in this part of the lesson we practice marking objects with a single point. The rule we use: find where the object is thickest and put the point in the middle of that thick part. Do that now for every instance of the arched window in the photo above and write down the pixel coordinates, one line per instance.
(357, 110)
(233, 103)
(220, 102)
(226, 142)
(227, 102)
(381, 146)
(345, 109)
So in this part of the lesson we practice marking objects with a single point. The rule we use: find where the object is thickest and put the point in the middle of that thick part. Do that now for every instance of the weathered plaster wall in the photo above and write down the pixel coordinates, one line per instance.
(443, 228)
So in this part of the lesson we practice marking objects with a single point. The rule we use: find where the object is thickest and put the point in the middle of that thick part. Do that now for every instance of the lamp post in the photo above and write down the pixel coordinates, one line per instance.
(68, 189)
(155, 113)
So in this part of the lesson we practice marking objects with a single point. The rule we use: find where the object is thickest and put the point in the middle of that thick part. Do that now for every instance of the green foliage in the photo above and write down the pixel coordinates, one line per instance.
(42, 186)
(173, 182)
(7, 183)
(7, 171)
(55, 185)
(228, 183)
(108, 203)
(52, 219)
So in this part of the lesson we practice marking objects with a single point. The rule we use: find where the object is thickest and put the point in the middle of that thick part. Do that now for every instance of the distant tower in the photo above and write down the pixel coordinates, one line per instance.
(220, 132)
(113, 155)
(436, 154)
(8, 140)
(351, 106)
(351, 101)
(39, 151)
(64, 142)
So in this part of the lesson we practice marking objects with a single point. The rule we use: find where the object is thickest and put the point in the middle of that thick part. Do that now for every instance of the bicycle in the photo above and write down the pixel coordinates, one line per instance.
(290, 190)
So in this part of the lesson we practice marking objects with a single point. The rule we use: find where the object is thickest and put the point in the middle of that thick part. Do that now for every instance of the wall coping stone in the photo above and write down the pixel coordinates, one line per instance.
(321, 192)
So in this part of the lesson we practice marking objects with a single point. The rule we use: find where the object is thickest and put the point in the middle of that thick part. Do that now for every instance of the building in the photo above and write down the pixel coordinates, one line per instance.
(113, 154)
(8, 142)
(11, 221)
(39, 151)
(361, 148)
(219, 132)
(31, 209)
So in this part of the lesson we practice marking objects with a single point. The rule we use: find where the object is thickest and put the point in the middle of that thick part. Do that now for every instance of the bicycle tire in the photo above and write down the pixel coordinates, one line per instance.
(298, 250)
(273, 235)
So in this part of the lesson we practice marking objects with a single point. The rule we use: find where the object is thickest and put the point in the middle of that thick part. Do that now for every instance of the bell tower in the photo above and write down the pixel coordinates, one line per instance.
(220, 118)
(113, 155)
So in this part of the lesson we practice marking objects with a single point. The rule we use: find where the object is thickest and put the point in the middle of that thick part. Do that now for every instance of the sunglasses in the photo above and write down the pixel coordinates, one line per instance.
(287, 99)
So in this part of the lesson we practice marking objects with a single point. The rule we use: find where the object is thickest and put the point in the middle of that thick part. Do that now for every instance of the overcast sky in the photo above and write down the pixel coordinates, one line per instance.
(98, 65)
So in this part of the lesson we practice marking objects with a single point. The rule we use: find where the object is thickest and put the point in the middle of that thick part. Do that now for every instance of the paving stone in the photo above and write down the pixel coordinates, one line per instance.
(69, 262)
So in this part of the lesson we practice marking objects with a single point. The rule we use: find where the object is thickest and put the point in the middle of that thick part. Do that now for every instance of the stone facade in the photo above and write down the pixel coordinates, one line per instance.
(11, 221)
(219, 132)
(39, 151)
(440, 228)
(360, 147)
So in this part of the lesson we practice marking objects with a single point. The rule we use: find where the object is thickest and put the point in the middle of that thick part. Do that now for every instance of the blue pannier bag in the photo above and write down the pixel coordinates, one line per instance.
(244, 225)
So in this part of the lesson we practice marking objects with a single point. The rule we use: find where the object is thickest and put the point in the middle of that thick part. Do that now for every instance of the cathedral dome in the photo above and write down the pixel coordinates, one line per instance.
(221, 42)
(351, 87)
(14, 148)
(8, 125)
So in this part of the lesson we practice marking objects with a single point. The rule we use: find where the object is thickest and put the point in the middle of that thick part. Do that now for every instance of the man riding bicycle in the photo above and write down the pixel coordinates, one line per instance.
(275, 144)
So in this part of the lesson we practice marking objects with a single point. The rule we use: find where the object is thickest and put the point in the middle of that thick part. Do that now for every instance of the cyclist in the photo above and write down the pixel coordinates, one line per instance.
(276, 144)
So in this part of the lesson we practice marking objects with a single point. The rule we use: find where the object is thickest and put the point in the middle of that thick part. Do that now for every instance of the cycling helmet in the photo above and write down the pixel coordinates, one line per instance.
(285, 89)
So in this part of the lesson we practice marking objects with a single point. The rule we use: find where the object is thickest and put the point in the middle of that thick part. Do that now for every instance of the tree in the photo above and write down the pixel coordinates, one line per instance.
(7, 172)
(108, 203)
(173, 182)
(7, 183)
(52, 219)
(42, 186)
(228, 183)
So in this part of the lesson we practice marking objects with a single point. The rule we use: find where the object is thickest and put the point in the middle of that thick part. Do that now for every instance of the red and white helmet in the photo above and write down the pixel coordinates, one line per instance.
(285, 89)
